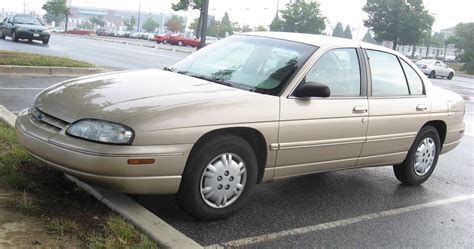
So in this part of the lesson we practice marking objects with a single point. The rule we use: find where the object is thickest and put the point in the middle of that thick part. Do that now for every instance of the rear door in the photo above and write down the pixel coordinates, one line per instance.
(398, 108)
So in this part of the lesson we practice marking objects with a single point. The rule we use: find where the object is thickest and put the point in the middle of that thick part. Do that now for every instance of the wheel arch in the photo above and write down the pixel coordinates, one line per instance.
(441, 127)
(254, 137)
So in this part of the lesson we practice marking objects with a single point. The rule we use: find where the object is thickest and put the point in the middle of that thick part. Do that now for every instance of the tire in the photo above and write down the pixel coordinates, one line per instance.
(450, 76)
(408, 172)
(45, 42)
(165, 42)
(192, 196)
(2, 35)
(30, 40)
(14, 38)
(180, 43)
(432, 74)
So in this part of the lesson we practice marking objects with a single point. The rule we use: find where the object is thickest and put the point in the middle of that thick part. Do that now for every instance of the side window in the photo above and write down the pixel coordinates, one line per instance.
(388, 78)
(414, 81)
(339, 70)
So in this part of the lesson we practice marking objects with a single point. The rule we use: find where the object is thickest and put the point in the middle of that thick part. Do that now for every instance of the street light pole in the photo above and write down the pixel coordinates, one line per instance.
(139, 14)
(205, 10)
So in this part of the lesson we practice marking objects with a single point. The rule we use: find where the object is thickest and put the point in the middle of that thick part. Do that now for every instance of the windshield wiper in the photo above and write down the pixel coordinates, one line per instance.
(204, 77)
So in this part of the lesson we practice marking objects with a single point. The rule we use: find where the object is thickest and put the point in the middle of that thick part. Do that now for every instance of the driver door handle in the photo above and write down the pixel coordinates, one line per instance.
(421, 107)
(360, 109)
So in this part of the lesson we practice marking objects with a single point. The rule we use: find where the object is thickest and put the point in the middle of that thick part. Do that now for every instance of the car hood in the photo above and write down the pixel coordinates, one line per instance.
(155, 99)
(29, 26)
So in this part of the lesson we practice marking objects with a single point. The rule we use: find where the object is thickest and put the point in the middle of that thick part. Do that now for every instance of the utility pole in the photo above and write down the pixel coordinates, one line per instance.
(24, 6)
(139, 14)
(205, 9)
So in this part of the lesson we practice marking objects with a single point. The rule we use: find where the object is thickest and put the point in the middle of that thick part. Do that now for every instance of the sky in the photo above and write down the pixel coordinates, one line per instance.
(261, 12)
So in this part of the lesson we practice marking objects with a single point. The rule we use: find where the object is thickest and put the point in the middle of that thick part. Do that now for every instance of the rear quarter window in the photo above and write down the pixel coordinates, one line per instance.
(388, 78)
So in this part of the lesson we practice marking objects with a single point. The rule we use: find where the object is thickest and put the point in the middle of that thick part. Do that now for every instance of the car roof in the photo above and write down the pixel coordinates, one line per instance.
(319, 40)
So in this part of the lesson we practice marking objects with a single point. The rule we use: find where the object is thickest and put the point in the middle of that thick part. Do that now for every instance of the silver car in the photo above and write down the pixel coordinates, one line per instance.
(435, 68)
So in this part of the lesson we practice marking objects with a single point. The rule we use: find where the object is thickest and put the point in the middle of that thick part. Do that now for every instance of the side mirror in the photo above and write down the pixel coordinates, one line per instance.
(312, 89)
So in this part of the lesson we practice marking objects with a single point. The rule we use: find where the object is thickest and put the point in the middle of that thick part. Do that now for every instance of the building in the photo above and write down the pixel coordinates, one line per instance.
(448, 53)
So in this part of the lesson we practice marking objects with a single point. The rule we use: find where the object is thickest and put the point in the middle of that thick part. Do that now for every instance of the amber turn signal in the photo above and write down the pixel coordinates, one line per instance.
(141, 161)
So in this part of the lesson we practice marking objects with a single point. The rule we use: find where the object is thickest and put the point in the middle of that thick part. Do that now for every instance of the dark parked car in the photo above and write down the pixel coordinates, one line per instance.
(24, 27)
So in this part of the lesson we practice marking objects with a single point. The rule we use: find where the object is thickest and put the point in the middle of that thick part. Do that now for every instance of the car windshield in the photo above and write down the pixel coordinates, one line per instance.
(257, 64)
(26, 20)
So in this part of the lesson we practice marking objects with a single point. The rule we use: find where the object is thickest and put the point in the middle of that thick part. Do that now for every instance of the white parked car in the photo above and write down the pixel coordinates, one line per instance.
(434, 68)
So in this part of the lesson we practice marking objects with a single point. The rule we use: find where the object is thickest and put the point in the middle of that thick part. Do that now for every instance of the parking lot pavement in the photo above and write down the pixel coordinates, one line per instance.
(104, 54)
(17, 92)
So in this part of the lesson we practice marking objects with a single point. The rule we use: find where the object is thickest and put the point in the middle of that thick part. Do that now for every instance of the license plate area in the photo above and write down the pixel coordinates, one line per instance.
(36, 35)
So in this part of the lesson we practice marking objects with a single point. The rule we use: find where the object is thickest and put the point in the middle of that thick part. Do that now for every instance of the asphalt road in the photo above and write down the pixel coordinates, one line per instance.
(105, 54)
(352, 208)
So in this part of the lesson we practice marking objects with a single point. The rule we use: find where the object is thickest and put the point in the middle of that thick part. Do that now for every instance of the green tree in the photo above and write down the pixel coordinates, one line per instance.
(277, 24)
(150, 25)
(246, 28)
(225, 26)
(130, 24)
(96, 21)
(399, 21)
(175, 24)
(56, 11)
(348, 32)
(464, 42)
(303, 17)
(194, 26)
(260, 28)
(188, 4)
(369, 38)
(338, 30)
(213, 26)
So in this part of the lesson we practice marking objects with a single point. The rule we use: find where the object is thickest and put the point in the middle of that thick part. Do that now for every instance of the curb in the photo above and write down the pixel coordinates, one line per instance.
(158, 230)
(465, 75)
(7, 117)
(164, 234)
(56, 71)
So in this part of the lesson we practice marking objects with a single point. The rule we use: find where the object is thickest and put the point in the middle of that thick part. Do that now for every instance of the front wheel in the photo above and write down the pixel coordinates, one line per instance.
(45, 42)
(2, 35)
(180, 43)
(219, 178)
(421, 158)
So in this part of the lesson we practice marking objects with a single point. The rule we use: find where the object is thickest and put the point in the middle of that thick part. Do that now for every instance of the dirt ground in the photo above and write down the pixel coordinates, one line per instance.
(21, 231)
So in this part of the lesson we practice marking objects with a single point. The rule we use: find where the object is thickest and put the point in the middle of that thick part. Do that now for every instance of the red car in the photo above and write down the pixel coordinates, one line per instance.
(181, 40)
(162, 38)
(79, 31)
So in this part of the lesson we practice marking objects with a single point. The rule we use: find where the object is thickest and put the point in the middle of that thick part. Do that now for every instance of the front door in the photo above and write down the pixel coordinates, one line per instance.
(320, 134)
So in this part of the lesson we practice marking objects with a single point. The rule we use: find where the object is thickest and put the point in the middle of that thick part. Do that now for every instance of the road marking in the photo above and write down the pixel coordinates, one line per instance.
(20, 88)
(340, 223)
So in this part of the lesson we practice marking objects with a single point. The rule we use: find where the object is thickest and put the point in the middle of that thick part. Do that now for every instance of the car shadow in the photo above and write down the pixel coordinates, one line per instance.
(295, 202)
(32, 43)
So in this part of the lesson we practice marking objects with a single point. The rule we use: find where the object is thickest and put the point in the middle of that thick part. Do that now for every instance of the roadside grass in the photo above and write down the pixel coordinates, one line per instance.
(64, 209)
(457, 67)
(28, 59)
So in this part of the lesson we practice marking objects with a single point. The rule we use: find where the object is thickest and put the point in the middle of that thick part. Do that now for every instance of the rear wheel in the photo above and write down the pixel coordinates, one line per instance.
(432, 74)
(421, 159)
(219, 178)
(450, 76)
(14, 37)
(180, 43)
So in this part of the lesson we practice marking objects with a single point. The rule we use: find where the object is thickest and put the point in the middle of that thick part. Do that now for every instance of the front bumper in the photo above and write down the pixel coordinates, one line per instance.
(105, 165)
(32, 35)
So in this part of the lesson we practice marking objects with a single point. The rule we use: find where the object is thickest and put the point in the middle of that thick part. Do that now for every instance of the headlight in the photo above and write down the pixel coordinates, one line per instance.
(22, 29)
(101, 131)
(46, 31)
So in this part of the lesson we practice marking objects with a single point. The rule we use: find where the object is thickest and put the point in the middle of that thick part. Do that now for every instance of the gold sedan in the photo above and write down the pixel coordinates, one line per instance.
(245, 110)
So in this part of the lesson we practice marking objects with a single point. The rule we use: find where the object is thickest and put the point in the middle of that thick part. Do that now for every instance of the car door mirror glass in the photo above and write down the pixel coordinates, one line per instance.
(312, 89)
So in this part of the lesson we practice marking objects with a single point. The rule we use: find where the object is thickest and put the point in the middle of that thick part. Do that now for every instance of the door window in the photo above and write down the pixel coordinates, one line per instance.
(414, 80)
(388, 78)
(339, 70)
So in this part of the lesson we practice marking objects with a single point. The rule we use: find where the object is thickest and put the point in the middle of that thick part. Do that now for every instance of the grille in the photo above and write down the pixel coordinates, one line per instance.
(36, 31)
(47, 121)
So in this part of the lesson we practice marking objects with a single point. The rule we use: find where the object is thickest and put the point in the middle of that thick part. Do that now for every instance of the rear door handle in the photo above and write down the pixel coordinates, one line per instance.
(421, 107)
(360, 109)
